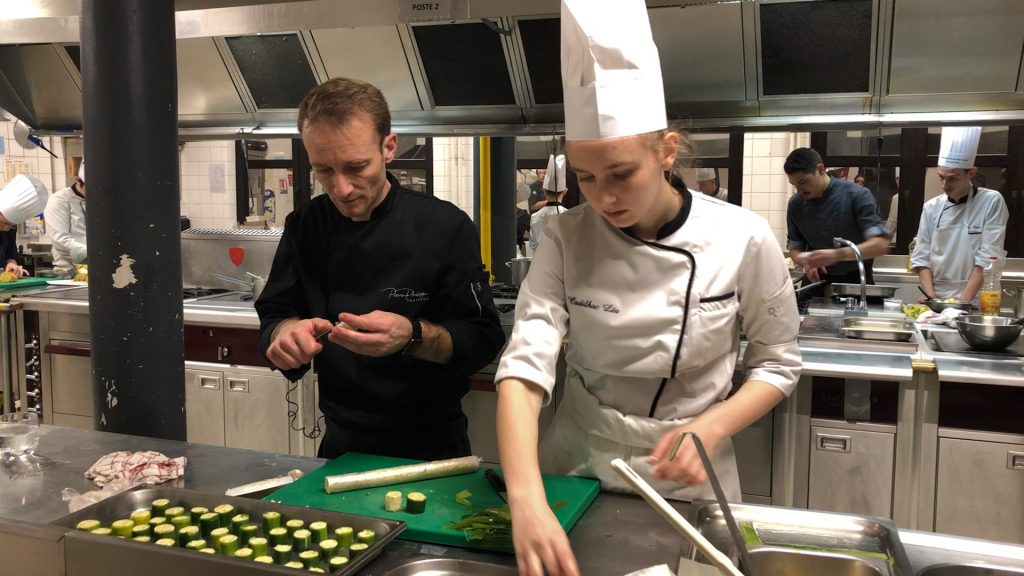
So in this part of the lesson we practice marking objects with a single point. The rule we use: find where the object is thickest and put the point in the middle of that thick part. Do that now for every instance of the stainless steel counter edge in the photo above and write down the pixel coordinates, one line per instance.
(203, 316)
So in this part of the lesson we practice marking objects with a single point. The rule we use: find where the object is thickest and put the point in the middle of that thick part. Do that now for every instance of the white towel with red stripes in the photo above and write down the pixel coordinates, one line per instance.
(148, 467)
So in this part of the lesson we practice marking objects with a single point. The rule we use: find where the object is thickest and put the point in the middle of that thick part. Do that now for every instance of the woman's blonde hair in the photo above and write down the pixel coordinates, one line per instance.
(684, 150)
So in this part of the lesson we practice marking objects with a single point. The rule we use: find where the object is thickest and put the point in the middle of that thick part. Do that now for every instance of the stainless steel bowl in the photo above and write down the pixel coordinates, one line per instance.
(988, 333)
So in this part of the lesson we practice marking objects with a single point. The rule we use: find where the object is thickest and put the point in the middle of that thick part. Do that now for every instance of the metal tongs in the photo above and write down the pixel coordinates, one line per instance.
(720, 560)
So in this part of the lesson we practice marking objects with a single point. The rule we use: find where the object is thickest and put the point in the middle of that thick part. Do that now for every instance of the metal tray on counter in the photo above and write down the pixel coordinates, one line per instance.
(888, 329)
(790, 541)
(879, 290)
(450, 567)
(90, 554)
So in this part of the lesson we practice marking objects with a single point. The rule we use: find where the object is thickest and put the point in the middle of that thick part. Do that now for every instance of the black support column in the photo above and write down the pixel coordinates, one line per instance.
(503, 205)
(130, 105)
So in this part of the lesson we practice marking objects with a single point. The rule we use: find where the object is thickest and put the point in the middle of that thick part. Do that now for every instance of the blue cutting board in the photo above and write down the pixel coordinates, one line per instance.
(577, 494)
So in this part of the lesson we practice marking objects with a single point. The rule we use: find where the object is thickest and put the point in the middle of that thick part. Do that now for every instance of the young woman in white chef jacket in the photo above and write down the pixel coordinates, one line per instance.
(652, 285)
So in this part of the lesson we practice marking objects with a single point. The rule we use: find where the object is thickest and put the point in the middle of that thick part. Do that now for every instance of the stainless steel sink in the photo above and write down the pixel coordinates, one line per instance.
(233, 301)
(969, 570)
(452, 567)
(773, 561)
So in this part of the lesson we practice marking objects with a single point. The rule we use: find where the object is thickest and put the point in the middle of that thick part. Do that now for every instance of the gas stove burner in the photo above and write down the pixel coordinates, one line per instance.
(505, 308)
(199, 292)
(505, 291)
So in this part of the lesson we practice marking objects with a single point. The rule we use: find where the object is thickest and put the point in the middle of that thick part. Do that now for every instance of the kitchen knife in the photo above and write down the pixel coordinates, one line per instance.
(498, 483)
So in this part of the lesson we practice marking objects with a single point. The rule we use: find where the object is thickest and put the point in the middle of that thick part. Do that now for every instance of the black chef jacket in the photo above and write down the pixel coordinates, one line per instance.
(8, 246)
(417, 256)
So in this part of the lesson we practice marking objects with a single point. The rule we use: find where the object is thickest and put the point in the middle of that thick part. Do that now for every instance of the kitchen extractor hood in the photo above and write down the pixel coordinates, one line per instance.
(244, 65)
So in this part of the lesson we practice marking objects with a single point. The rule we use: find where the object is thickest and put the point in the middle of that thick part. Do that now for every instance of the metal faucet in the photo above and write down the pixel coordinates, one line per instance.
(839, 243)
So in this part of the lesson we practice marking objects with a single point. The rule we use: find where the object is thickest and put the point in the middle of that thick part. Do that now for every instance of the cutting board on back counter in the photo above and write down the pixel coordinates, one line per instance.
(23, 283)
(576, 493)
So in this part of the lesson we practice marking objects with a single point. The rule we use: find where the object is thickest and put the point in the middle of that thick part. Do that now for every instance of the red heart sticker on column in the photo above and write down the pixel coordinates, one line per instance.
(236, 254)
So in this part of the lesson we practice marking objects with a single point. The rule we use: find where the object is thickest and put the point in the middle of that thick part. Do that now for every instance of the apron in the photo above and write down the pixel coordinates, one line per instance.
(950, 269)
(584, 437)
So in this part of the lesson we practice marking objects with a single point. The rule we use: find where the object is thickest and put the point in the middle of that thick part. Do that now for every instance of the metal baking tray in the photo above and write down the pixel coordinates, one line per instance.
(804, 541)
(880, 290)
(90, 554)
(890, 329)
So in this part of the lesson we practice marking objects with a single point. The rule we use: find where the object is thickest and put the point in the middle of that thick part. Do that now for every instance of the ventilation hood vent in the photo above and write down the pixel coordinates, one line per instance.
(244, 65)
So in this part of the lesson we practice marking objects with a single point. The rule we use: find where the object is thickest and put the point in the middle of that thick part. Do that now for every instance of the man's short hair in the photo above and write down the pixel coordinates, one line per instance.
(339, 99)
(802, 160)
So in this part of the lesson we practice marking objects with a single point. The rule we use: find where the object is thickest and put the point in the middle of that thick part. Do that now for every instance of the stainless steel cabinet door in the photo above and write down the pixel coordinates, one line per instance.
(980, 490)
(204, 406)
(255, 412)
(851, 471)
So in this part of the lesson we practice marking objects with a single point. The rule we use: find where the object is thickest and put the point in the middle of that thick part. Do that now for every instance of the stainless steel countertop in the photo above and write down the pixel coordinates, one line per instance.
(617, 535)
(818, 361)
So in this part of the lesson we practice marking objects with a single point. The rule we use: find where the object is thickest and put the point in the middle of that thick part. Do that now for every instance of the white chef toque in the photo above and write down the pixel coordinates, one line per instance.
(704, 174)
(554, 177)
(22, 198)
(81, 172)
(611, 74)
(959, 146)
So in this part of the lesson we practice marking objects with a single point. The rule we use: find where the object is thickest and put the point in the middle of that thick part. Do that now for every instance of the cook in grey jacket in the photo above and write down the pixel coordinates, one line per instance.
(65, 224)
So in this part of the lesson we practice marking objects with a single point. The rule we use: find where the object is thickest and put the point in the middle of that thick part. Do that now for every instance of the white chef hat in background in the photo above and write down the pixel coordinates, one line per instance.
(554, 177)
(611, 74)
(959, 146)
(22, 198)
(81, 171)
(705, 174)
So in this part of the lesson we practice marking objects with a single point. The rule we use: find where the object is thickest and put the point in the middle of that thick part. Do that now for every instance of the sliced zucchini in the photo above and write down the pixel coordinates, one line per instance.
(216, 535)
(301, 540)
(282, 553)
(163, 531)
(258, 545)
(337, 562)
(294, 524)
(319, 530)
(189, 534)
(122, 528)
(196, 544)
(175, 511)
(228, 544)
(279, 535)
(88, 525)
(207, 550)
(271, 520)
(225, 511)
(309, 558)
(244, 553)
(141, 530)
(209, 522)
(102, 531)
(358, 548)
(264, 559)
(328, 548)
(181, 521)
(141, 516)
(345, 536)
(143, 539)
(367, 536)
(197, 512)
(294, 564)
(237, 521)
(248, 532)
(416, 503)
(159, 506)
(169, 542)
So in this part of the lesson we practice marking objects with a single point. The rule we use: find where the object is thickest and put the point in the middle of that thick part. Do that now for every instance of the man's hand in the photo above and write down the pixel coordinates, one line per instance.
(295, 342)
(375, 334)
(820, 258)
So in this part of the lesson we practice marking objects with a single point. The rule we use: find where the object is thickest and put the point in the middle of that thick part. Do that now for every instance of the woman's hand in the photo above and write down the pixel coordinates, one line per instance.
(15, 269)
(686, 468)
(541, 544)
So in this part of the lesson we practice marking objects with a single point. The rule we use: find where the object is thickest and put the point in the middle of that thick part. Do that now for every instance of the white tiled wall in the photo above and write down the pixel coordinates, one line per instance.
(453, 171)
(766, 190)
(16, 160)
(208, 183)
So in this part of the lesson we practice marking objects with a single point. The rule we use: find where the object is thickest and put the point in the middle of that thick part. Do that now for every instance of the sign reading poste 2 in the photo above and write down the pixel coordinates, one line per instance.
(419, 11)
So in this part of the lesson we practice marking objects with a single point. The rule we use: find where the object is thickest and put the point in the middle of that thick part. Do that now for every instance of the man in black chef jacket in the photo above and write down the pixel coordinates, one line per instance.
(402, 273)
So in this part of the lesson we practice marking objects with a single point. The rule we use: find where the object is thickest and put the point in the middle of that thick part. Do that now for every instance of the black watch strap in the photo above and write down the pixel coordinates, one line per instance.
(417, 338)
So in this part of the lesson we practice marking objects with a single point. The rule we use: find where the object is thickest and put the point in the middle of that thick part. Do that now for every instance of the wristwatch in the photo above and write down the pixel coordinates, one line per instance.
(417, 338)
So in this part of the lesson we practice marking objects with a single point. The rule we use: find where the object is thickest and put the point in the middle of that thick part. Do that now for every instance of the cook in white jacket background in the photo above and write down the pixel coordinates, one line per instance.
(652, 284)
(961, 229)
(65, 224)
(554, 190)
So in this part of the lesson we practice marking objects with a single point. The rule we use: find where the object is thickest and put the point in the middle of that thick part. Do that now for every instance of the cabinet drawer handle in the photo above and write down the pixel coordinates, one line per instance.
(238, 385)
(833, 443)
(209, 383)
(1015, 461)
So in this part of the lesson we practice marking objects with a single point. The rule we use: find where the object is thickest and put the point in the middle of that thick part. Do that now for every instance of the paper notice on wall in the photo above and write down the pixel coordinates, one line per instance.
(3, 145)
(14, 167)
(217, 179)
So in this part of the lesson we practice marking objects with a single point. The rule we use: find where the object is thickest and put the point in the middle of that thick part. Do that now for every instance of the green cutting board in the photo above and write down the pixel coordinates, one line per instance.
(23, 283)
(577, 494)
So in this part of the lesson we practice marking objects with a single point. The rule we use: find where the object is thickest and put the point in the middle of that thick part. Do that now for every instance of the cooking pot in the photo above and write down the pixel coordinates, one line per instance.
(988, 333)
(519, 267)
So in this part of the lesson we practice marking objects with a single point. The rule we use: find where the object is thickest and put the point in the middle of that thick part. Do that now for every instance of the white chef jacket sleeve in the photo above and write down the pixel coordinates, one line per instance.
(921, 258)
(57, 216)
(993, 234)
(768, 314)
(541, 318)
